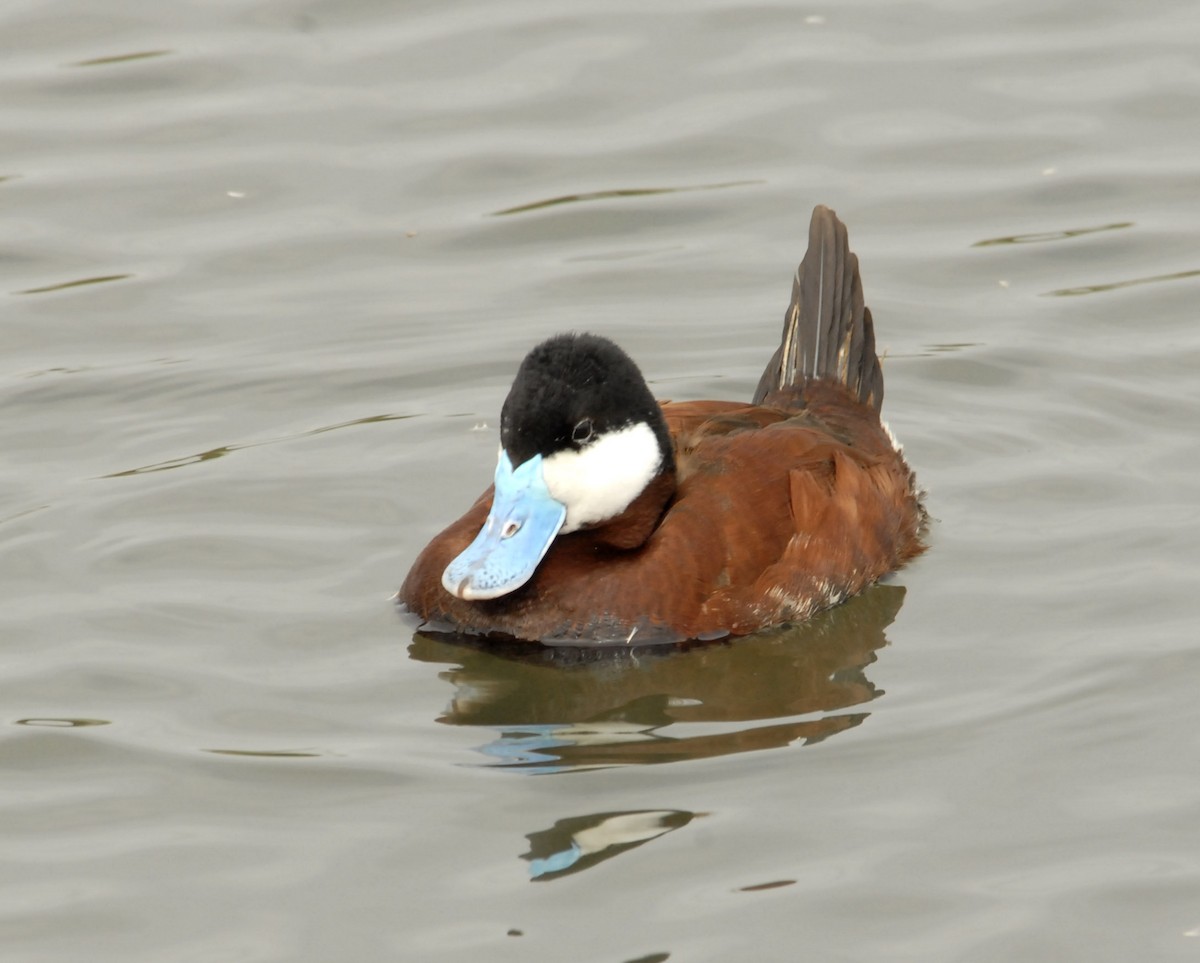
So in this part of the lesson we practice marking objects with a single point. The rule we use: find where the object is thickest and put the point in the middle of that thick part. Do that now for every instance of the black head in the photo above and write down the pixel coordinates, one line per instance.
(572, 390)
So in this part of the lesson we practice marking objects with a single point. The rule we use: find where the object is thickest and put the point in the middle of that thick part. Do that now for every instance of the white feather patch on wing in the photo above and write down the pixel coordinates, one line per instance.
(896, 446)
(600, 481)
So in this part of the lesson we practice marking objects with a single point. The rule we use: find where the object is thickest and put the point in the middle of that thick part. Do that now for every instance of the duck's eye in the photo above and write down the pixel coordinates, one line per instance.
(582, 432)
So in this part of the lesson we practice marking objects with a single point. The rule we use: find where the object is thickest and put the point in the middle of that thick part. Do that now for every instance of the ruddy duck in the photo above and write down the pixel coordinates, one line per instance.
(614, 518)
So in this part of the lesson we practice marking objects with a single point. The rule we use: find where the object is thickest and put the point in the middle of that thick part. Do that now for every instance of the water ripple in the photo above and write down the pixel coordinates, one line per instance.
(1116, 285)
(619, 192)
(1040, 237)
(80, 282)
(223, 450)
(121, 58)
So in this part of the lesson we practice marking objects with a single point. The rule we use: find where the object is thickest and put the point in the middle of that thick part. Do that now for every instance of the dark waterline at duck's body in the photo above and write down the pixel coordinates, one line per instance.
(623, 521)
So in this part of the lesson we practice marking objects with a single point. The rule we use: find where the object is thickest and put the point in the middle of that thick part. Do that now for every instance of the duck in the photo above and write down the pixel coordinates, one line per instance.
(614, 518)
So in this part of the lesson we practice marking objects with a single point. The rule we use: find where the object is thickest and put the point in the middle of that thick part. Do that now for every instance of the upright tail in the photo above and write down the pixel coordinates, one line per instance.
(827, 330)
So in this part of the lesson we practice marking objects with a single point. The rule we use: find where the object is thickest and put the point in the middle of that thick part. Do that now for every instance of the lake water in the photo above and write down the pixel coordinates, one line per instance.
(267, 270)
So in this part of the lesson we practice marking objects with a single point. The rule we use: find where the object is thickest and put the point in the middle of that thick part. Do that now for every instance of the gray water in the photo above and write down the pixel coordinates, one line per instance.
(267, 269)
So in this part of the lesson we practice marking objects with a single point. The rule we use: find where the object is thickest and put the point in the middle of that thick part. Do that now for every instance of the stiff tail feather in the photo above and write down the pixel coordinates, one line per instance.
(827, 330)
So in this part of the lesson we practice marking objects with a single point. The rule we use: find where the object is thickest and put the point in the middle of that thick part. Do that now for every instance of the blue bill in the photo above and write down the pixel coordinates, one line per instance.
(520, 527)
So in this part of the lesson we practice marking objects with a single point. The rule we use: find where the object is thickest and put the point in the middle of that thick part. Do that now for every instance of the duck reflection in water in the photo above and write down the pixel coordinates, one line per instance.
(566, 708)
(580, 842)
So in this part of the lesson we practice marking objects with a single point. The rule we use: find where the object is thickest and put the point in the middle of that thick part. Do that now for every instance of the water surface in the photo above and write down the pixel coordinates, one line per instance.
(267, 271)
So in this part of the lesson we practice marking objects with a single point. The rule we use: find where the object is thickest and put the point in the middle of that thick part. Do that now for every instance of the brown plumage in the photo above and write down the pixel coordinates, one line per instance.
(774, 509)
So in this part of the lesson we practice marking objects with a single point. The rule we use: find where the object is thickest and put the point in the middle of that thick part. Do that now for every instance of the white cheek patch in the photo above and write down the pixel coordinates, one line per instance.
(600, 481)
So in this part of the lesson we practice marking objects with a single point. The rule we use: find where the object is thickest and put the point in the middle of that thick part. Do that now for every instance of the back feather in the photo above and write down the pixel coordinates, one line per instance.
(827, 330)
